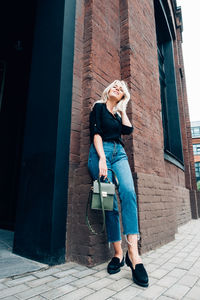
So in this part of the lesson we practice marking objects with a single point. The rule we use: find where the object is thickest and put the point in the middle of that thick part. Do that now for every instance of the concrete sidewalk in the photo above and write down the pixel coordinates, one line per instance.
(174, 272)
(10, 263)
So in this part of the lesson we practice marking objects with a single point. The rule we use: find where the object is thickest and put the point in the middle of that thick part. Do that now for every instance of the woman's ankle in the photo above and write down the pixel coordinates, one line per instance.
(134, 257)
(118, 250)
(119, 254)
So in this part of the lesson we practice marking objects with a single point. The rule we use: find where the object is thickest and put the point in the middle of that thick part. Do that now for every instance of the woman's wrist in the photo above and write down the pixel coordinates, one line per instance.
(123, 113)
(102, 157)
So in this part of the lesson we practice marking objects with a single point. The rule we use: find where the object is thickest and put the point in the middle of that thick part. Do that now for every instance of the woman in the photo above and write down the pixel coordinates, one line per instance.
(108, 120)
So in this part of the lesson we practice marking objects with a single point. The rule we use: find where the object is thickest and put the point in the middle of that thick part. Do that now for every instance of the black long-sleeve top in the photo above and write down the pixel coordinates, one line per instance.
(107, 125)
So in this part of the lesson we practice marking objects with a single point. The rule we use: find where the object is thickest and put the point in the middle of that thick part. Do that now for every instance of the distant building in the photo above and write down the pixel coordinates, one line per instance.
(195, 128)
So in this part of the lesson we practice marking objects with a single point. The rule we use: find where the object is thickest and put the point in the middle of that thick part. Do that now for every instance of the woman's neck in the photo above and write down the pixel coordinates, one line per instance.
(110, 105)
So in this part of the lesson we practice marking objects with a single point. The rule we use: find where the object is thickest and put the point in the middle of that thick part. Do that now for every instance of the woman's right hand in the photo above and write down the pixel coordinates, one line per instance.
(103, 169)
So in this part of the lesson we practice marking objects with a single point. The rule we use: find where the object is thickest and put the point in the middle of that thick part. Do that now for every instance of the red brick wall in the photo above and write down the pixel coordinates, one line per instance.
(190, 178)
(163, 206)
(183, 108)
(113, 40)
(96, 64)
(157, 213)
(144, 86)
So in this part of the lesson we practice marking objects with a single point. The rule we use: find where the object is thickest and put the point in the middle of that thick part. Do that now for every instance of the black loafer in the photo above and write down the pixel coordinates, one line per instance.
(139, 274)
(115, 265)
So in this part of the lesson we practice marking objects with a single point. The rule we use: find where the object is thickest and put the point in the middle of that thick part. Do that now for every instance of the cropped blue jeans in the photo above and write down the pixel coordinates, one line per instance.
(117, 160)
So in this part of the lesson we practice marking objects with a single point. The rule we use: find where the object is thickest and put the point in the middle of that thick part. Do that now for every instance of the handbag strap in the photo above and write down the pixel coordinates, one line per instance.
(103, 211)
(115, 178)
(102, 206)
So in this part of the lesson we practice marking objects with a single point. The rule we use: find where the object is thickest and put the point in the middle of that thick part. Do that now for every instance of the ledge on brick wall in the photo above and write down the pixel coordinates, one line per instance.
(174, 161)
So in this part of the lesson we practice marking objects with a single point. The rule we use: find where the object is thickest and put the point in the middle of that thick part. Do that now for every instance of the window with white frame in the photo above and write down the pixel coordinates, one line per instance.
(195, 131)
(196, 149)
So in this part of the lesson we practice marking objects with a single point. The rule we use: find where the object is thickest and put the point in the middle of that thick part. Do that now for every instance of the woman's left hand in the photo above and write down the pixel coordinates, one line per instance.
(125, 119)
(122, 106)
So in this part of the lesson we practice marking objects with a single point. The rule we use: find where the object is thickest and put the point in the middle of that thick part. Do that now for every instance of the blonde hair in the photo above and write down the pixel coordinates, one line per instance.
(125, 98)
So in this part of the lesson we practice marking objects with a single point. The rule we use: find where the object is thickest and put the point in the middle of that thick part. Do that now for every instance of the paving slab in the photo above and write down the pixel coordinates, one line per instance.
(174, 273)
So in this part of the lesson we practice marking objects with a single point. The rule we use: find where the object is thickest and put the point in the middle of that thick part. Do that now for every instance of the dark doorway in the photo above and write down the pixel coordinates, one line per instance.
(16, 33)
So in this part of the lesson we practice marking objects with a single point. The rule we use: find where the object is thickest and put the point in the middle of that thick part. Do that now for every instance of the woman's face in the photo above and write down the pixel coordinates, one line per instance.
(116, 92)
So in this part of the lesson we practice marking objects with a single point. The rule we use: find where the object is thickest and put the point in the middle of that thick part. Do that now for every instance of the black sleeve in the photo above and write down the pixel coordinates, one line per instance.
(127, 129)
(95, 120)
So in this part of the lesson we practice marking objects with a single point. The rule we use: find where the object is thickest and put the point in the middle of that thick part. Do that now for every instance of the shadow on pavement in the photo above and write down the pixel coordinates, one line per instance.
(12, 264)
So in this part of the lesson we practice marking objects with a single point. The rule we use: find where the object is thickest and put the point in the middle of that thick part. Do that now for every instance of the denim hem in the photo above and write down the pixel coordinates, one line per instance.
(130, 233)
(114, 241)
(133, 233)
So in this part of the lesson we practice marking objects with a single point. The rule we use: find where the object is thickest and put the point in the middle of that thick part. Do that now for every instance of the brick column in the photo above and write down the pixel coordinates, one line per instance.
(190, 178)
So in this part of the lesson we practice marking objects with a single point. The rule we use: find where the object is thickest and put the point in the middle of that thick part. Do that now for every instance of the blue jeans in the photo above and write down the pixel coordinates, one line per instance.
(117, 160)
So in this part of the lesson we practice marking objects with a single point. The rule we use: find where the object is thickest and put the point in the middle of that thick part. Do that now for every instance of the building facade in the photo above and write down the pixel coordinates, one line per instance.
(195, 127)
(66, 55)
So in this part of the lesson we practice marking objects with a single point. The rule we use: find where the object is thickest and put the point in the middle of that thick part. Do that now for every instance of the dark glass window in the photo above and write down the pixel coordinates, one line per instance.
(163, 94)
(197, 170)
(168, 92)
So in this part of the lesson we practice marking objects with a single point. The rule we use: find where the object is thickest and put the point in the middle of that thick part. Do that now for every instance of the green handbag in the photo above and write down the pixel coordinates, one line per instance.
(101, 197)
(107, 192)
